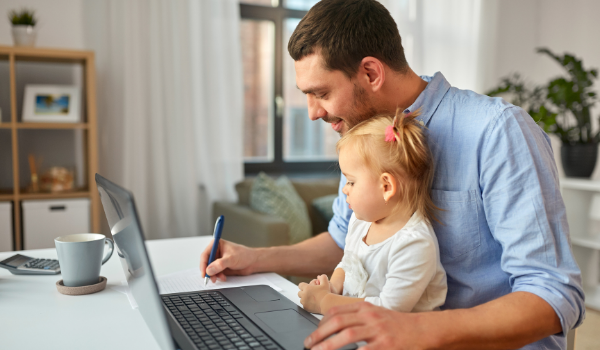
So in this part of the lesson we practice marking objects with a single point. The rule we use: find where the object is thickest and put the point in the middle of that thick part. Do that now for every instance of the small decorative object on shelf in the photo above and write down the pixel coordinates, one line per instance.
(23, 27)
(57, 179)
(562, 107)
(34, 174)
(52, 104)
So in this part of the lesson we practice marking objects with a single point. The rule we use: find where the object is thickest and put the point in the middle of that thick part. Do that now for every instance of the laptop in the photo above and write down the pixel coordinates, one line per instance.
(252, 317)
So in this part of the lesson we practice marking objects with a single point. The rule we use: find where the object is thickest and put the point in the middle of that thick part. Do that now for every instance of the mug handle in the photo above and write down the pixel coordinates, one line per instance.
(112, 248)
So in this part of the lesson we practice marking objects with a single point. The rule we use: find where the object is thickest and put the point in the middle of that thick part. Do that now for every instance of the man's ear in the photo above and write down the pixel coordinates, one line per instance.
(389, 186)
(372, 73)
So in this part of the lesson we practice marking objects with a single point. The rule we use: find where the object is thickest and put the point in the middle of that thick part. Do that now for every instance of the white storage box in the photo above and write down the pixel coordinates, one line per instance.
(44, 220)
(6, 230)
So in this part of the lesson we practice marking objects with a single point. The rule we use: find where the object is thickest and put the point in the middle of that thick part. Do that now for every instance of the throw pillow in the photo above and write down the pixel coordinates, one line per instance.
(324, 206)
(279, 198)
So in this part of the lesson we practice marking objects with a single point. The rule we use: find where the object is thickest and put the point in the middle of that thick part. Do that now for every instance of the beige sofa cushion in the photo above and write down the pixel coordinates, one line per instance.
(279, 198)
(308, 190)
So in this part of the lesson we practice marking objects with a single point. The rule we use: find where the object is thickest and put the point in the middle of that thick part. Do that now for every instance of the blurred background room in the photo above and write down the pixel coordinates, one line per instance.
(193, 106)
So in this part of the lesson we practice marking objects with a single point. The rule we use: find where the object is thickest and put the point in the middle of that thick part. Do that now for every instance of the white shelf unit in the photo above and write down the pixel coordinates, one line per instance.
(585, 234)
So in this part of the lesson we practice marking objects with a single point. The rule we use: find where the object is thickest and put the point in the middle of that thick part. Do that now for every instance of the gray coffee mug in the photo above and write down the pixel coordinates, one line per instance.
(80, 257)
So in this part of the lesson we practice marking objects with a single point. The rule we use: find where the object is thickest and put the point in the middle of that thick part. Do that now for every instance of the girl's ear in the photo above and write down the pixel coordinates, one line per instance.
(389, 186)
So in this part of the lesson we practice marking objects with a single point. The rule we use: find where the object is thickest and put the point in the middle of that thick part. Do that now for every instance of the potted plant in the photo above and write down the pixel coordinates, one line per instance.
(23, 27)
(561, 107)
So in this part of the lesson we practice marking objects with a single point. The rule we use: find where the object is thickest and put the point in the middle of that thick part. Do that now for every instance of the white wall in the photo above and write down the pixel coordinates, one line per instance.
(60, 22)
(562, 26)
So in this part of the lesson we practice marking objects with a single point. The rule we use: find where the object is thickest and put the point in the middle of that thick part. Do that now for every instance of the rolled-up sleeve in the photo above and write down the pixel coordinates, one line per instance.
(338, 225)
(526, 214)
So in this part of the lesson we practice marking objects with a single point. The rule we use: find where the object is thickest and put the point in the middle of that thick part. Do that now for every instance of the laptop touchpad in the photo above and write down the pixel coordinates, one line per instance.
(288, 320)
(262, 293)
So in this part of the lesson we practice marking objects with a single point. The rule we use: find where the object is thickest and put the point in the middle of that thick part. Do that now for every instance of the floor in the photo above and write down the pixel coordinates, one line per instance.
(588, 334)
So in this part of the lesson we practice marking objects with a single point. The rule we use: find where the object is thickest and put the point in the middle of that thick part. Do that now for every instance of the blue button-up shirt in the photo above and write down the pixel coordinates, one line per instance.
(504, 221)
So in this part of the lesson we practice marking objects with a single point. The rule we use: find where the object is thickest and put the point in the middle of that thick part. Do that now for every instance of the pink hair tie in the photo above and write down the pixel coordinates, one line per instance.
(389, 134)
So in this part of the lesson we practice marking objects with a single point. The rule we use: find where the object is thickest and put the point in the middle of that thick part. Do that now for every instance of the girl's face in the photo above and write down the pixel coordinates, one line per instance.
(364, 189)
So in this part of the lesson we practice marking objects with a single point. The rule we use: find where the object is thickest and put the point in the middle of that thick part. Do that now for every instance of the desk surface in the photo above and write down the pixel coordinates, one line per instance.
(33, 314)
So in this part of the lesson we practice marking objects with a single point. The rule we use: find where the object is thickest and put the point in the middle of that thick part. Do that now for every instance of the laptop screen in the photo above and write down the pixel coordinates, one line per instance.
(126, 230)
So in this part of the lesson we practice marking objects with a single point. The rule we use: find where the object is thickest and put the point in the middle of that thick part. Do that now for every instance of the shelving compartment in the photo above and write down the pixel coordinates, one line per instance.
(585, 233)
(52, 148)
(48, 73)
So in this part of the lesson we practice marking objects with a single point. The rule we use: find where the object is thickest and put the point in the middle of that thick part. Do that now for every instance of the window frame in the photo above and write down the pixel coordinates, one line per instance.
(278, 15)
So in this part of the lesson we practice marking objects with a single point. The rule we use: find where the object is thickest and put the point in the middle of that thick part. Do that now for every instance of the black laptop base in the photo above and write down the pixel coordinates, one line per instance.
(246, 318)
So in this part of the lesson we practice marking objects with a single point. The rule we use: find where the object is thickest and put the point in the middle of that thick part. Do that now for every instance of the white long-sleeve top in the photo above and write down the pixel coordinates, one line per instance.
(404, 272)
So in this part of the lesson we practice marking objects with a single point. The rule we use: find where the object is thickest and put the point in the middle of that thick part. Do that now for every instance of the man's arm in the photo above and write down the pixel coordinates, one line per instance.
(511, 321)
(311, 257)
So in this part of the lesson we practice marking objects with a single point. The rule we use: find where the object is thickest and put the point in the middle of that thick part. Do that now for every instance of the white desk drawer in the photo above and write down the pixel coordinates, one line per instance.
(6, 228)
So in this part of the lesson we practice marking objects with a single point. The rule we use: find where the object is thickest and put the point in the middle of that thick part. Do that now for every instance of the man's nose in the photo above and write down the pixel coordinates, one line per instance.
(315, 111)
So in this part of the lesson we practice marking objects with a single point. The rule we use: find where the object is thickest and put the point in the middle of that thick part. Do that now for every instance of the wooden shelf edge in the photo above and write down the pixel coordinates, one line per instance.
(587, 241)
(580, 184)
(41, 53)
(5, 125)
(58, 195)
(52, 126)
(6, 197)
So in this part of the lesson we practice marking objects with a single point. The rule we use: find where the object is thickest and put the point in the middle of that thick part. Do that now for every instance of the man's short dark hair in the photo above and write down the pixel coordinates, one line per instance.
(345, 32)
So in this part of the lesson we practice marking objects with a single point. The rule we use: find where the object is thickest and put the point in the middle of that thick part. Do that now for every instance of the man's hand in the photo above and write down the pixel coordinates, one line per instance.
(312, 294)
(231, 259)
(509, 322)
(379, 327)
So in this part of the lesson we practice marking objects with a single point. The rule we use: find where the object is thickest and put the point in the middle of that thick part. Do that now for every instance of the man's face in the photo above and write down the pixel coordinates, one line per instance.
(331, 95)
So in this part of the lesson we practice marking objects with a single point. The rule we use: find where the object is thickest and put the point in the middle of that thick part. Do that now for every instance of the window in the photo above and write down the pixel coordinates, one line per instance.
(278, 136)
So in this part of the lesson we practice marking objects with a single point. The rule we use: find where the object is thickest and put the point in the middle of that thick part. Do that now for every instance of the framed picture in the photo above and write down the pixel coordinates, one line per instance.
(52, 104)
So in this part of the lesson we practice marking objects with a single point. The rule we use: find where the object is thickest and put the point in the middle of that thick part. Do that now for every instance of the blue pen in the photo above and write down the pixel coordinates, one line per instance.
(217, 237)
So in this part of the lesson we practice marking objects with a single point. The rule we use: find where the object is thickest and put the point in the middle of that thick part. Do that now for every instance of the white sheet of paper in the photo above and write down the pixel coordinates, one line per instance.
(191, 280)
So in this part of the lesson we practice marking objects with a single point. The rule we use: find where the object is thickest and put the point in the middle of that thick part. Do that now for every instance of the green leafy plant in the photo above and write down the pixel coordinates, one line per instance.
(23, 17)
(563, 105)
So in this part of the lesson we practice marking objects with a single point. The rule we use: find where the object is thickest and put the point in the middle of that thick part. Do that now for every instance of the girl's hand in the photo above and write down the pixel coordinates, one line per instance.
(312, 294)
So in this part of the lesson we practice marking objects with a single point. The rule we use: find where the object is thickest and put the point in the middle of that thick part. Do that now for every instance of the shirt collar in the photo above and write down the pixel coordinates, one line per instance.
(431, 97)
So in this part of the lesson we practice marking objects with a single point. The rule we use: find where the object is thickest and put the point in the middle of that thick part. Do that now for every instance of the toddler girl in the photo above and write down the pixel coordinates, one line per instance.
(391, 258)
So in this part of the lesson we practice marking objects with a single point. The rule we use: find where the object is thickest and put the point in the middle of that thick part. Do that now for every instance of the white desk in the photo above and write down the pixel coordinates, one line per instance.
(34, 315)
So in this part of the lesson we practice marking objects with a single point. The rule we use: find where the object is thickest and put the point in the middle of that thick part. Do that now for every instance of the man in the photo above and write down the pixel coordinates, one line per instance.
(504, 243)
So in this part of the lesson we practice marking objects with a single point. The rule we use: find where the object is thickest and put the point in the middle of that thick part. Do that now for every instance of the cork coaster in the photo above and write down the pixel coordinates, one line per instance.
(83, 289)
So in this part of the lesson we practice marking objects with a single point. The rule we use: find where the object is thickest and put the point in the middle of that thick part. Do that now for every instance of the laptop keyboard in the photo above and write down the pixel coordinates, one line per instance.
(213, 323)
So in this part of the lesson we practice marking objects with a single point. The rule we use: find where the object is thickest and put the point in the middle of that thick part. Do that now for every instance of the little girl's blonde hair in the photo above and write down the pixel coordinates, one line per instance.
(406, 157)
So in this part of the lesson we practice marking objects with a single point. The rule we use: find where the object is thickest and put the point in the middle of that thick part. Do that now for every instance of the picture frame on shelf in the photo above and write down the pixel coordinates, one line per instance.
(52, 104)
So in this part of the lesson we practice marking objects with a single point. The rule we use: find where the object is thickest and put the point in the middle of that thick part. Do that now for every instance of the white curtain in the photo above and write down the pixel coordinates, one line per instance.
(170, 106)
(455, 37)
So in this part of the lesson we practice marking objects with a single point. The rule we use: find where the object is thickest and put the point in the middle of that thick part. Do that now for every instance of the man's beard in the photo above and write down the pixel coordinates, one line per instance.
(361, 110)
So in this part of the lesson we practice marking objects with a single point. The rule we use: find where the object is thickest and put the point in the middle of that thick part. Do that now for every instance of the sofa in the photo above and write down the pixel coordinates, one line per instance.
(246, 226)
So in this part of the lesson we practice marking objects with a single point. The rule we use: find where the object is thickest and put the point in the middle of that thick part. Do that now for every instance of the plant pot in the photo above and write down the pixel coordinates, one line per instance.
(23, 35)
(579, 160)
